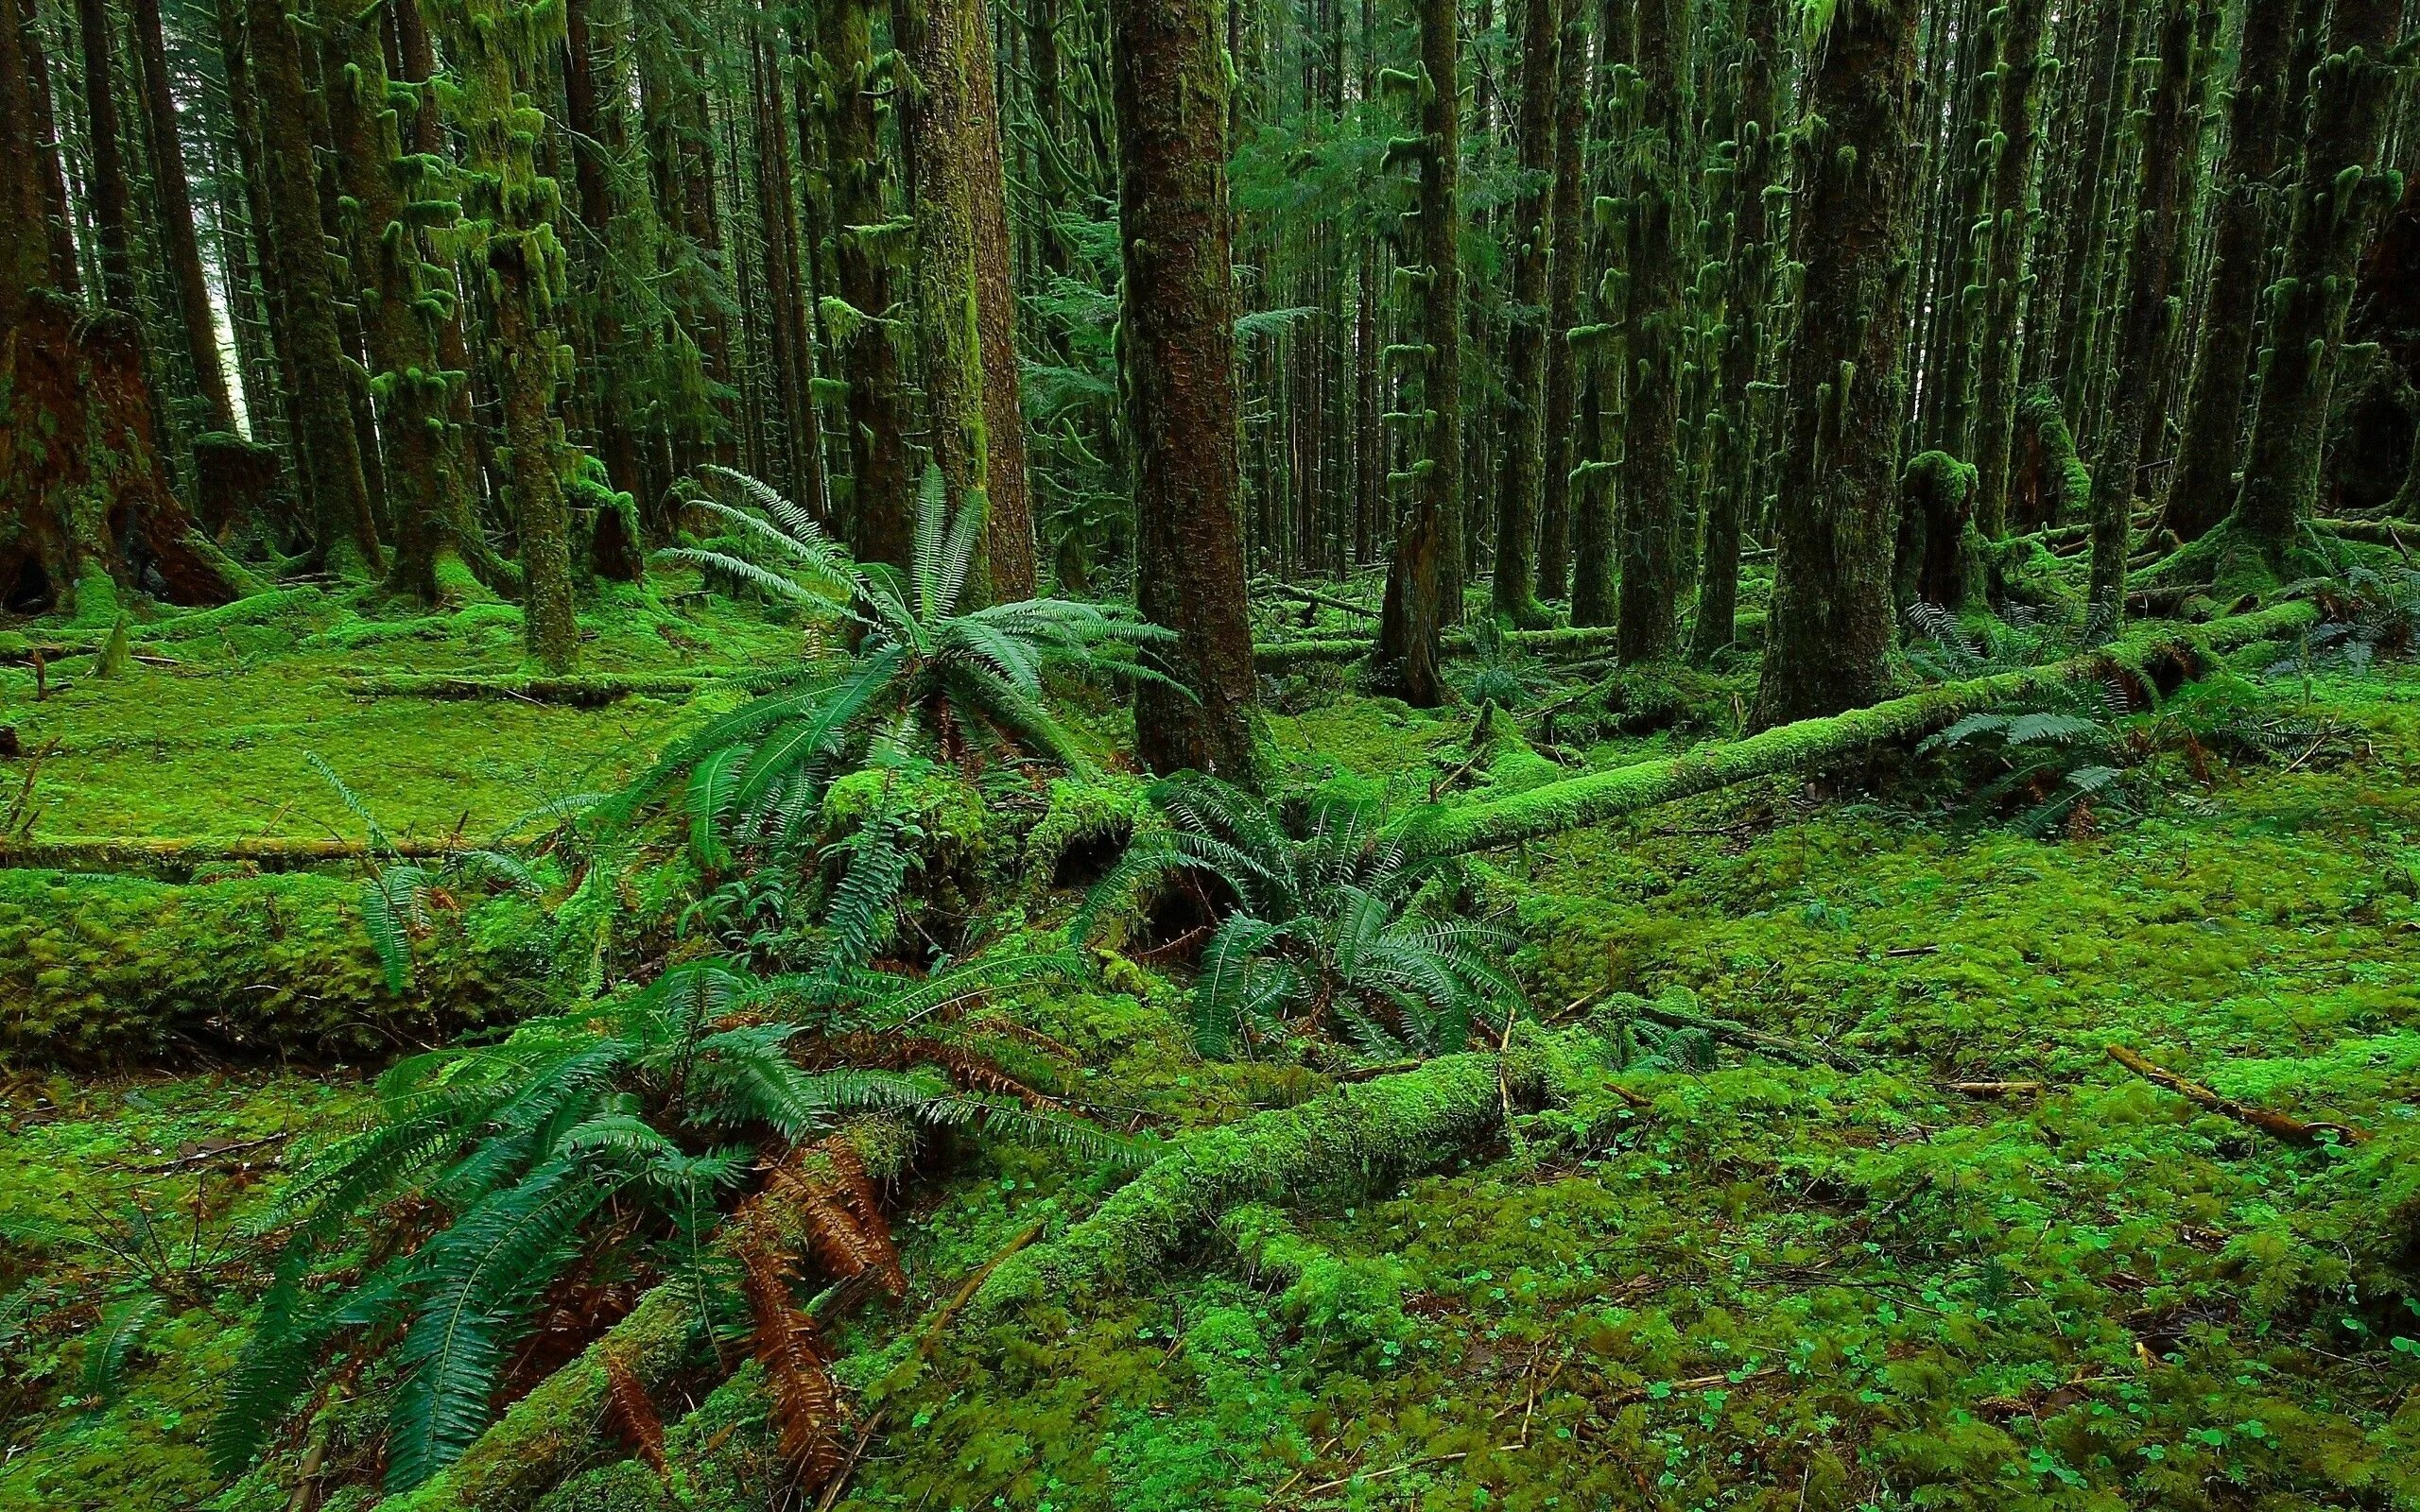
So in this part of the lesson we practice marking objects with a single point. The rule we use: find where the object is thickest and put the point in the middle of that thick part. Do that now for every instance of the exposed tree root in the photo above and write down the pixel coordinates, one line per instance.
(2293, 1130)
(1812, 743)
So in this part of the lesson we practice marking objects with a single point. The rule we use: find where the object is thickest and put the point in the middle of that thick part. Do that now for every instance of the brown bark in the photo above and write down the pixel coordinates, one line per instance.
(175, 194)
(1177, 343)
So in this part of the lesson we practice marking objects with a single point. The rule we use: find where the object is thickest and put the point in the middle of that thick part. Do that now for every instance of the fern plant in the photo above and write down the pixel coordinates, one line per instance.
(1327, 926)
(633, 1126)
(927, 674)
(397, 895)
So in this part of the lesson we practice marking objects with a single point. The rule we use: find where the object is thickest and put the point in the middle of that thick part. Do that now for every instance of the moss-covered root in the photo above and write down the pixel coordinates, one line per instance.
(1348, 1138)
(551, 1431)
(1809, 744)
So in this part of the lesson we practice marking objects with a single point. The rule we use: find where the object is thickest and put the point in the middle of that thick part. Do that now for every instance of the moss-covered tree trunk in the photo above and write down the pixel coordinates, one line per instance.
(1829, 628)
(106, 192)
(2110, 91)
(387, 194)
(2147, 321)
(1756, 158)
(40, 148)
(2004, 282)
(1567, 257)
(1647, 614)
(2345, 186)
(937, 42)
(1515, 590)
(1425, 575)
(1008, 488)
(1598, 345)
(2259, 144)
(173, 193)
(1169, 64)
(881, 493)
(345, 538)
(508, 207)
(612, 411)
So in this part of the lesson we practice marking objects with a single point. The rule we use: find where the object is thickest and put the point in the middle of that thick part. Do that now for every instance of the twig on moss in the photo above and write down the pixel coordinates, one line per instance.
(2266, 1120)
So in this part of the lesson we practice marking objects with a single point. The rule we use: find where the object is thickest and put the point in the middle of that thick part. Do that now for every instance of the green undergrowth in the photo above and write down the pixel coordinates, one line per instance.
(1780, 1287)
(215, 743)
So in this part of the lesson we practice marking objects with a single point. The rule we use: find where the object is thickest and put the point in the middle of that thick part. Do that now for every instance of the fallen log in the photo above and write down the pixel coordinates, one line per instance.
(179, 856)
(101, 972)
(1350, 1137)
(2293, 1130)
(588, 692)
(1307, 595)
(1811, 743)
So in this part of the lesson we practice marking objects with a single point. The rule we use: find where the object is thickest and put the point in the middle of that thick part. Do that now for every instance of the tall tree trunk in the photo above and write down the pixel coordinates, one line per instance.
(514, 247)
(2003, 278)
(592, 173)
(1178, 345)
(1425, 578)
(880, 495)
(1829, 630)
(2259, 123)
(43, 154)
(2111, 93)
(2147, 319)
(111, 197)
(183, 249)
(1755, 167)
(1648, 616)
(294, 255)
(2345, 187)
(1567, 252)
(428, 501)
(1599, 346)
(937, 40)
(1515, 591)
(1010, 490)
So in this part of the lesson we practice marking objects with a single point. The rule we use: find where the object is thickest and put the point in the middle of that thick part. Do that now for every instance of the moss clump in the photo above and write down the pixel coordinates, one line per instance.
(110, 969)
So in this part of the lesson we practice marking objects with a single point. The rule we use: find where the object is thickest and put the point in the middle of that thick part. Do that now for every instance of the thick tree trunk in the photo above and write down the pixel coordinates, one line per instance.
(2258, 119)
(612, 411)
(2004, 266)
(295, 257)
(1651, 483)
(1829, 630)
(1009, 491)
(881, 494)
(1426, 574)
(175, 198)
(1568, 240)
(506, 201)
(428, 503)
(937, 41)
(1515, 589)
(2345, 187)
(1178, 344)
(107, 188)
(1756, 165)
(1598, 346)
(2147, 319)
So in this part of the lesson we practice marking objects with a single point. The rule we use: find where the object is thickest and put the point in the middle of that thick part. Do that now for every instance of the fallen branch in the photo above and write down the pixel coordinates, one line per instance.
(1998, 1089)
(1306, 595)
(1779, 1046)
(1812, 743)
(2291, 1129)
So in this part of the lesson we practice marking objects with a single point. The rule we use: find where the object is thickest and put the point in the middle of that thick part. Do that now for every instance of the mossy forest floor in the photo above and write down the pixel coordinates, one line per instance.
(1977, 1263)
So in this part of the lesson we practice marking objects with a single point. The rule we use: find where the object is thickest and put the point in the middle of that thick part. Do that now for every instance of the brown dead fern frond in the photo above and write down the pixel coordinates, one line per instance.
(807, 1416)
(634, 1414)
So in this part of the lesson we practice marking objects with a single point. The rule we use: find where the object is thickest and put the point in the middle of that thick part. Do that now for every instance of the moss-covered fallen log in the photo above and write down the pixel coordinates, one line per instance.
(1284, 656)
(1349, 1138)
(1809, 744)
(107, 970)
(588, 692)
(554, 1430)
(175, 857)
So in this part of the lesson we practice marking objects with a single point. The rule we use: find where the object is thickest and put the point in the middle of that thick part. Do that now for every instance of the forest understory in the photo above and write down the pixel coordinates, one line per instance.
(1146, 756)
